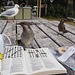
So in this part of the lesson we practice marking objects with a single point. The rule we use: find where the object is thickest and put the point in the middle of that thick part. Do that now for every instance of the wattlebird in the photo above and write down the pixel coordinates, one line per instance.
(11, 12)
(61, 26)
(27, 35)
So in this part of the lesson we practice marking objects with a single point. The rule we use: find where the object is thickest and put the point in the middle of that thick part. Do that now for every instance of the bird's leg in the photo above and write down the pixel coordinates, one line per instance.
(13, 20)
(6, 19)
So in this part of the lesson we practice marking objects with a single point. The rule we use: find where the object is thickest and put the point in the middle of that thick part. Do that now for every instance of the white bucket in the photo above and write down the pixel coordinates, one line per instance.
(2, 41)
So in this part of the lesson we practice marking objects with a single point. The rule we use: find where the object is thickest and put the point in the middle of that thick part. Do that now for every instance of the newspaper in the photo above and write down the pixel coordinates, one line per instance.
(39, 61)
(68, 58)
(13, 61)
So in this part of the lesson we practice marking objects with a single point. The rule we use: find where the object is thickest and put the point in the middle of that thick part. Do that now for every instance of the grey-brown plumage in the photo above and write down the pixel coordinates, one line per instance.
(61, 26)
(27, 35)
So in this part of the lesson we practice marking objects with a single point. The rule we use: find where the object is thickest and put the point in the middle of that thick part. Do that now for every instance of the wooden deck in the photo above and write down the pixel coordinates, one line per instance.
(45, 34)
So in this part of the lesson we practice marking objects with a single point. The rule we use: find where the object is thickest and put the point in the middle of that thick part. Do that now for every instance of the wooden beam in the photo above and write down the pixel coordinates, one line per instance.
(37, 7)
(40, 10)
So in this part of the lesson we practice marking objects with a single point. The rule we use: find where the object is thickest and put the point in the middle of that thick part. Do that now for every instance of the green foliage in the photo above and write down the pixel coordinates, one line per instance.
(70, 8)
(58, 8)
(59, 11)
(4, 3)
(51, 11)
(32, 2)
(56, 11)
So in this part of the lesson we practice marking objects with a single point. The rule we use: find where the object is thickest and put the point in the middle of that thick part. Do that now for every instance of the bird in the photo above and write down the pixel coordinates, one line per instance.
(61, 26)
(11, 12)
(27, 35)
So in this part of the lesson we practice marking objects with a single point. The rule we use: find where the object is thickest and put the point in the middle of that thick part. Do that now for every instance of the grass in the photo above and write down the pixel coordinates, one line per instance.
(71, 23)
(51, 18)
(58, 19)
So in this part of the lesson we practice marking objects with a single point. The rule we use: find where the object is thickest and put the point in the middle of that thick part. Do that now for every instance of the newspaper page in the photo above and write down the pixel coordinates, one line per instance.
(68, 58)
(41, 60)
(13, 61)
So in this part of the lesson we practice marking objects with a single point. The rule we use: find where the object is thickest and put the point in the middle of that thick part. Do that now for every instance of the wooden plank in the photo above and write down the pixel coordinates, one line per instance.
(70, 72)
(19, 31)
(68, 35)
(40, 10)
(42, 39)
(34, 44)
(37, 7)
(68, 27)
(45, 43)
(69, 30)
(61, 40)
(2, 24)
(10, 31)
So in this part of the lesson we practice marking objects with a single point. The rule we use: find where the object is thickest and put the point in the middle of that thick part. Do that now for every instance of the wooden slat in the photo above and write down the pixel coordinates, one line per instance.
(34, 44)
(68, 35)
(10, 31)
(68, 27)
(42, 39)
(61, 40)
(2, 24)
(19, 31)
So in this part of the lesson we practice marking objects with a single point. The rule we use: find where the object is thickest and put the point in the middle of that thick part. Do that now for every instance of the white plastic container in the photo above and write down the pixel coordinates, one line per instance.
(2, 41)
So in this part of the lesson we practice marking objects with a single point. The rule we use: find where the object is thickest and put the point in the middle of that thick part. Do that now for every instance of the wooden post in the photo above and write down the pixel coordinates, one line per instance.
(37, 7)
(40, 10)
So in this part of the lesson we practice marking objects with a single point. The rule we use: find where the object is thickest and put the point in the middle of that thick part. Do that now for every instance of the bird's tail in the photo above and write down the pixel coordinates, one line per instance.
(0, 14)
(65, 31)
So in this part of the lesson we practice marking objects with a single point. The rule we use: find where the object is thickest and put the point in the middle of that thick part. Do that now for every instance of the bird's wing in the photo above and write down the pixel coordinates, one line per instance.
(8, 12)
